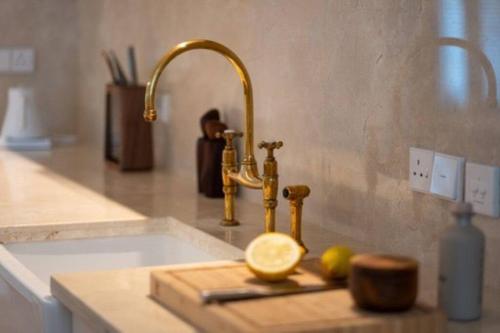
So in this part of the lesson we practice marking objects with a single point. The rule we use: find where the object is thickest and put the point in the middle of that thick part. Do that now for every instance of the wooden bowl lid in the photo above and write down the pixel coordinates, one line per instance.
(383, 262)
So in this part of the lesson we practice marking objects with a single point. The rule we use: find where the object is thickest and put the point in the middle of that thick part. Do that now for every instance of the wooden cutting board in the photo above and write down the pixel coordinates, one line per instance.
(327, 311)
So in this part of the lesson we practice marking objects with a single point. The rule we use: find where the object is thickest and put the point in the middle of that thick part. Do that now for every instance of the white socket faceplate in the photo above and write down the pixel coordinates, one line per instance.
(482, 187)
(420, 169)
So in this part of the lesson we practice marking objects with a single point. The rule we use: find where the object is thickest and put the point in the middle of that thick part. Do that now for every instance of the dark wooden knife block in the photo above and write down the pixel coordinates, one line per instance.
(128, 138)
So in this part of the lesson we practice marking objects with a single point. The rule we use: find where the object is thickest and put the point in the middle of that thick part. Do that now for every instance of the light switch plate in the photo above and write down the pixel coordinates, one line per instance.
(22, 60)
(420, 170)
(164, 108)
(447, 176)
(482, 188)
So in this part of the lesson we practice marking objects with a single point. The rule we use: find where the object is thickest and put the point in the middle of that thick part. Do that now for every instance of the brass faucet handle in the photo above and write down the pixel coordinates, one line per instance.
(229, 136)
(270, 147)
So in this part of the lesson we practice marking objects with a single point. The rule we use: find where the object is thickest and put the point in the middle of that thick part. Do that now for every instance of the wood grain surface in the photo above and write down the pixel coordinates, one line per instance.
(383, 282)
(326, 311)
(125, 125)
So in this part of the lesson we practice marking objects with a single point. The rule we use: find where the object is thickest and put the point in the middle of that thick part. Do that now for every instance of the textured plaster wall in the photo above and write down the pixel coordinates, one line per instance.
(348, 85)
(49, 26)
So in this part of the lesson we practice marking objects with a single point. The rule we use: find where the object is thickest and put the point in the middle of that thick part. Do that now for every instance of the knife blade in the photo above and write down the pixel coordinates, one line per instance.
(236, 294)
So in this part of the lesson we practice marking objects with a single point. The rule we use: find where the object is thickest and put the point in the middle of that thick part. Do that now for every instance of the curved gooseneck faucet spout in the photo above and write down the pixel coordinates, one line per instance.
(247, 175)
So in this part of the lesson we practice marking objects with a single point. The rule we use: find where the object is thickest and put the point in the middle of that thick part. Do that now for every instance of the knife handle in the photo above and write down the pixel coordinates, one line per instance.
(111, 69)
(224, 295)
(132, 65)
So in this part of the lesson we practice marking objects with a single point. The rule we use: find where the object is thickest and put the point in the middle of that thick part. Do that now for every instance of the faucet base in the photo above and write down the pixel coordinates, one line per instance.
(304, 249)
(229, 223)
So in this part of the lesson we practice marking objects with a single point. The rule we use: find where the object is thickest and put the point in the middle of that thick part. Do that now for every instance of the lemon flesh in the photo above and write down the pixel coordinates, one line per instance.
(273, 256)
(335, 262)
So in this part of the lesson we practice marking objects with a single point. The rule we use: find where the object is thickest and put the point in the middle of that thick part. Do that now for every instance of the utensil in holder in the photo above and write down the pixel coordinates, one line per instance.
(128, 138)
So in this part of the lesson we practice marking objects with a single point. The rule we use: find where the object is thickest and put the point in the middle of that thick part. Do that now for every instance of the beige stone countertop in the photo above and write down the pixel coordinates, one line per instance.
(118, 301)
(57, 194)
(47, 192)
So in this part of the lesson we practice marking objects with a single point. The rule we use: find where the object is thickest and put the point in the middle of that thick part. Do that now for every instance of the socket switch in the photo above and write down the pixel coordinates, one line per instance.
(420, 172)
(22, 60)
(447, 176)
(482, 188)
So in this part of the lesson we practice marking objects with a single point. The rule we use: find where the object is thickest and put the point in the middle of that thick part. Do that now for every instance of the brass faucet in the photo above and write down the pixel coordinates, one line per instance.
(248, 174)
(296, 195)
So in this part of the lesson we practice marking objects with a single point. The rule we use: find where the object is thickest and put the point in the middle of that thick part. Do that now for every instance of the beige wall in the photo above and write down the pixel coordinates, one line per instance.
(348, 85)
(49, 26)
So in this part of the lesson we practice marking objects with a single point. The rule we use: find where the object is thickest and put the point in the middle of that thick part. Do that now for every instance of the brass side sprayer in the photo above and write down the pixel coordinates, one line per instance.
(296, 194)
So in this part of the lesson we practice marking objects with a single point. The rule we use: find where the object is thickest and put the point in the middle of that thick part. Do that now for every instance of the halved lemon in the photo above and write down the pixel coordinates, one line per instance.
(273, 256)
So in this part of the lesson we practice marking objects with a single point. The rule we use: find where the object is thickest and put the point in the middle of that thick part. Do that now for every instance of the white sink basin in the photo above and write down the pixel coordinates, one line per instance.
(26, 304)
(50, 257)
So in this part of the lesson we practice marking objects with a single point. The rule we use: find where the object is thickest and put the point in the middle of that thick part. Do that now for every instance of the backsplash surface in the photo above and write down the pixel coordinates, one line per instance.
(348, 86)
(50, 28)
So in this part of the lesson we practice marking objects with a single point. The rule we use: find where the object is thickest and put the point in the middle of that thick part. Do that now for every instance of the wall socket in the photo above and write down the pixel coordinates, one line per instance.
(420, 172)
(4, 60)
(449, 177)
(17, 60)
(482, 188)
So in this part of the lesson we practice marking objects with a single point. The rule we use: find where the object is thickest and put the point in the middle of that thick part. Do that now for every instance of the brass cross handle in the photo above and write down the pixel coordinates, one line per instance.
(229, 136)
(270, 147)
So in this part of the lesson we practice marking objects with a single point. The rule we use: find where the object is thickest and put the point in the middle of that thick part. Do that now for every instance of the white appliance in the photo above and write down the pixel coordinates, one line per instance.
(23, 126)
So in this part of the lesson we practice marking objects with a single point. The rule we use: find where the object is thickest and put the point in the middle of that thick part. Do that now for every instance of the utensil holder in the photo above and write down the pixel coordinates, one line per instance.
(128, 138)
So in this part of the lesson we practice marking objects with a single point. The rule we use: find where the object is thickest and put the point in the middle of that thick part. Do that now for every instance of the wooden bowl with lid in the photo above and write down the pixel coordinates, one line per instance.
(383, 282)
